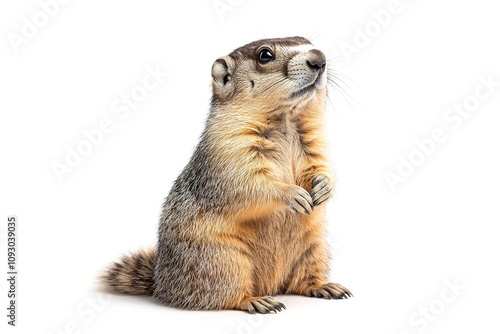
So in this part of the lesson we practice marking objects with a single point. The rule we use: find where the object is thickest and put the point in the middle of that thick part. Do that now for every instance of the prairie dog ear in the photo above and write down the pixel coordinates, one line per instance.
(222, 71)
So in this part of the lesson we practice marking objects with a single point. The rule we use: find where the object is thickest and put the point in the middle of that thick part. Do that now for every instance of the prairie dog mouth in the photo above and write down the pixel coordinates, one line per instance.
(308, 88)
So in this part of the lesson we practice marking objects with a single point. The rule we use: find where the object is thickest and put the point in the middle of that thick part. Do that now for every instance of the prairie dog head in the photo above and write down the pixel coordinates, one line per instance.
(270, 74)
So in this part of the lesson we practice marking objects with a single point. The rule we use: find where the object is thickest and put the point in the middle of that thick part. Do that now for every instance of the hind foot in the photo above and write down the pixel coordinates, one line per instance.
(329, 291)
(262, 305)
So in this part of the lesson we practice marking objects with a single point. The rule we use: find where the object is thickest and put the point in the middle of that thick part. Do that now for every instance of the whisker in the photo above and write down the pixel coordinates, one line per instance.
(339, 81)
(313, 36)
(332, 80)
(331, 103)
(340, 74)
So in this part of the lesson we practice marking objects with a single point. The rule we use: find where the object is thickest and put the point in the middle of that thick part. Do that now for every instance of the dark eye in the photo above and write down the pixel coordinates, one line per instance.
(265, 56)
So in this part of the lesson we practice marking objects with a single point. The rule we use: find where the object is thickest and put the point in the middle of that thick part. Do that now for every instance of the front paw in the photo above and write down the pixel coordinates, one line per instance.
(300, 200)
(322, 189)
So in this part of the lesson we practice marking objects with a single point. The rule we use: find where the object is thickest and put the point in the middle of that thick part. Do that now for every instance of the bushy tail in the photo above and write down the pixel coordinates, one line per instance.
(133, 274)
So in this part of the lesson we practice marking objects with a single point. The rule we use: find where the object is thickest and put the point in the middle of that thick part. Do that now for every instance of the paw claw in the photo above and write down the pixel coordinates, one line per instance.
(322, 189)
(301, 201)
(262, 305)
(329, 291)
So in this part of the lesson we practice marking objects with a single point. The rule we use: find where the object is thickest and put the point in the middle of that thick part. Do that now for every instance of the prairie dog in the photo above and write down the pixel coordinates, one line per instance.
(245, 218)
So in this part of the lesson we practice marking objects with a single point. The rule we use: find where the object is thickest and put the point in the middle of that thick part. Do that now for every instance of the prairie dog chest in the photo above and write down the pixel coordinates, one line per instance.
(282, 135)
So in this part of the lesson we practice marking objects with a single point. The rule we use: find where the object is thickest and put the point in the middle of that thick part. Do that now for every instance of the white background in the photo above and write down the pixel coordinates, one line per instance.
(394, 249)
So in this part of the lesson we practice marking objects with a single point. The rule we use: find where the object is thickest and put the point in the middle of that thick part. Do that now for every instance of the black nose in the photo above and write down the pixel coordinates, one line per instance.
(316, 60)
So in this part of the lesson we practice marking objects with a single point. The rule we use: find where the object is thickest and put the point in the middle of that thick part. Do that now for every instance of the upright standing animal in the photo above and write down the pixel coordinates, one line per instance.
(245, 219)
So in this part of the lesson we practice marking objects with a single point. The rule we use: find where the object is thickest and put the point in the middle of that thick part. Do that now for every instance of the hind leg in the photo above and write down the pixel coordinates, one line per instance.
(309, 275)
(199, 276)
(209, 277)
(245, 298)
